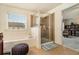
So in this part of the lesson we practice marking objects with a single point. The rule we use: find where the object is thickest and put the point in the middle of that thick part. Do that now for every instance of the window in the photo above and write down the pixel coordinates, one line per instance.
(16, 21)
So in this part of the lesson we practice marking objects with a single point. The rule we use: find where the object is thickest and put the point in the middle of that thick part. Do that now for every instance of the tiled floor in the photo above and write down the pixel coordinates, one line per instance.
(72, 43)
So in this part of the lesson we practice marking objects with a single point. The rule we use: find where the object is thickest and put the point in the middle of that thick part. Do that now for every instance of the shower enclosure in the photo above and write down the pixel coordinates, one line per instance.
(47, 28)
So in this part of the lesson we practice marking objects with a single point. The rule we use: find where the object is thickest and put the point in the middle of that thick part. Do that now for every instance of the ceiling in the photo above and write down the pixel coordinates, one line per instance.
(42, 7)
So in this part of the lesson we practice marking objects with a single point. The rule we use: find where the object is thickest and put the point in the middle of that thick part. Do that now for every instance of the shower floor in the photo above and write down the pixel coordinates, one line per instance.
(44, 40)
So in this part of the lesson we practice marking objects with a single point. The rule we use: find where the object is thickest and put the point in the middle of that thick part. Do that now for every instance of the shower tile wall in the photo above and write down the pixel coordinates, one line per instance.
(45, 27)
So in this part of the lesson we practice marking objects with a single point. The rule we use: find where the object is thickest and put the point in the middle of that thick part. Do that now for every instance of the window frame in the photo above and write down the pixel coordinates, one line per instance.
(26, 21)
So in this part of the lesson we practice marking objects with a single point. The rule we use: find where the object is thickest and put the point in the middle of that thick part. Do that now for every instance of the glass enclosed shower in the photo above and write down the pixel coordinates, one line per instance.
(47, 29)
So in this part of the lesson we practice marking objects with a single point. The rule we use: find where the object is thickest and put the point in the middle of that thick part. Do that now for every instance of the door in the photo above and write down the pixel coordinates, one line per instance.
(51, 27)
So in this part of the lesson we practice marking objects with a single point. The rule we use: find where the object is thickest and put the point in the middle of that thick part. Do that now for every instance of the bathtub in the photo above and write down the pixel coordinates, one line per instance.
(14, 37)
(8, 44)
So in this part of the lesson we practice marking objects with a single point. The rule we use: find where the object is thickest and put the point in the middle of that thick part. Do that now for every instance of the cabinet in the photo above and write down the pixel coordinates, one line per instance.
(1, 44)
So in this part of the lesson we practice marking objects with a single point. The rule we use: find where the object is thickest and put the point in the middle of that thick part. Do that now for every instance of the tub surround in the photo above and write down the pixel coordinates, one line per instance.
(8, 44)
(14, 37)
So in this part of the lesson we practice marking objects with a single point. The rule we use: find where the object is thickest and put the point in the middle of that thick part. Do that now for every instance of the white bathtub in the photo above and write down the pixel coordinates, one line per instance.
(13, 37)
(8, 44)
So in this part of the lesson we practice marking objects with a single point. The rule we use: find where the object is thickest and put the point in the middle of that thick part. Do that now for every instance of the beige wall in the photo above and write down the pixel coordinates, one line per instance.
(12, 34)
(4, 18)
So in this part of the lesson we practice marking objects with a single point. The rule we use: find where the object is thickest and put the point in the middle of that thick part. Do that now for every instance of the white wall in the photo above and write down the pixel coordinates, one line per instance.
(36, 32)
(4, 18)
(70, 20)
(72, 14)
(58, 27)
(75, 20)
(58, 23)
(13, 34)
(58, 20)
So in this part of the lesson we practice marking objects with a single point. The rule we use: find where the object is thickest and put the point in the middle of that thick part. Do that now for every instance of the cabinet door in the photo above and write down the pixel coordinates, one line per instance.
(1, 47)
